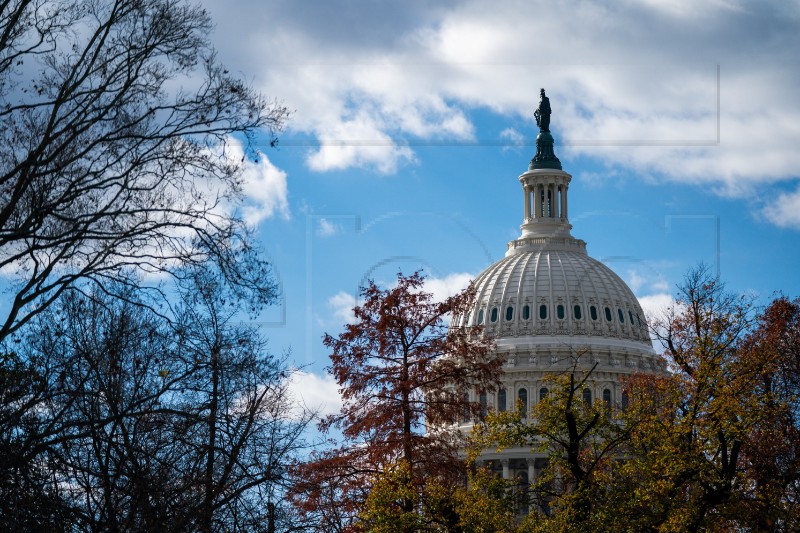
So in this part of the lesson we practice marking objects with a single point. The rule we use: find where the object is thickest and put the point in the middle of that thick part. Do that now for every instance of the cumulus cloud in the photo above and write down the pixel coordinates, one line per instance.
(263, 185)
(265, 191)
(634, 87)
(341, 305)
(326, 228)
(655, 305)
(449, 285)
(644, 280)
(786, 210)
(312, 392)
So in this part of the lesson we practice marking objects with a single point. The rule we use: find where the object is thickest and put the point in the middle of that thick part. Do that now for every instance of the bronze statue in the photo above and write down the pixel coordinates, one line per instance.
(542, 114)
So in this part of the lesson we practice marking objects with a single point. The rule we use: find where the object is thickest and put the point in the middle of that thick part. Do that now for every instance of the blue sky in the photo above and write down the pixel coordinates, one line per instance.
(679, 122)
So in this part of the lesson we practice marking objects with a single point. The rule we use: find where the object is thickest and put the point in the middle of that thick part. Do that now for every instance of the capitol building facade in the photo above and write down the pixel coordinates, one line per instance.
(550, 306)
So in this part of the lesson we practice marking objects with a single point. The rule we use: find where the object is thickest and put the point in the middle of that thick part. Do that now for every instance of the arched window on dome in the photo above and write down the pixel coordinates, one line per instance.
(621, 316)
(608, 314)
(501, 399)
(607, 397)
(509, 313)
(593, 312)
(543, 311)
(542, 393)
(494, 314)
(526, 312)
(587, 397)
(576, 312)
(624, 400)
(480, 316)
(484, 403)
(522, 401)
(560, 312)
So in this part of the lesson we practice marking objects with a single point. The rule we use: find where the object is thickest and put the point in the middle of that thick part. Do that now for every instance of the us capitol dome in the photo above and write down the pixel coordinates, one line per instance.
(549, 306)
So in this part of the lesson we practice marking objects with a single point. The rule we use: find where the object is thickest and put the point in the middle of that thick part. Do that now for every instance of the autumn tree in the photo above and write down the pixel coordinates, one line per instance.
(688, 430)
(581, 442)
(770, 366)
(710, 445)
(122, 152)
(402, 372)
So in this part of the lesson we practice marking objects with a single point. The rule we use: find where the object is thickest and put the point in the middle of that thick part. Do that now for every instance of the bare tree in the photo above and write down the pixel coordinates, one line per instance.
(121, 137)
(136, 423)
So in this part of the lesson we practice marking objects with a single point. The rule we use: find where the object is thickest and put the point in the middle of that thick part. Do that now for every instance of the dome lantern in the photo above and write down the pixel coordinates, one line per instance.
(545, 185)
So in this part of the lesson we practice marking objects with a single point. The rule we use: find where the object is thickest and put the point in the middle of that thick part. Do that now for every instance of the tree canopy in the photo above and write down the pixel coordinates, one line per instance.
(402, 371)
(711, 445)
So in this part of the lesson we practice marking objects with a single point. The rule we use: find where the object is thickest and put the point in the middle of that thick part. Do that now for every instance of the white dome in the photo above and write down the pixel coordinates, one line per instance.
(555, 293)
(551, 309)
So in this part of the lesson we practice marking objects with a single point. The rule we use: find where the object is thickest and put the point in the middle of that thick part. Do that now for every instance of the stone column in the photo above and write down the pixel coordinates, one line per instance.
(531, 471)
(527, 203)
(537, 201)
(566, 188)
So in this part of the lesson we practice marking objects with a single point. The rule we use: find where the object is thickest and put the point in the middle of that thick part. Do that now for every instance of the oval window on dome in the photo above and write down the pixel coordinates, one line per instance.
(560, 312)
(480, 316)
(621, 316)
(593, 312)
(494, 314)
(630, 315)
(509, 312)
(543, 311)
(526, 312)
(608, 314)
(576, 311)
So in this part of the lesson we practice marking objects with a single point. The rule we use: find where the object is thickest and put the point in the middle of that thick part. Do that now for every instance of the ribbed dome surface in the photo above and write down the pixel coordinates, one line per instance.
(556, 292)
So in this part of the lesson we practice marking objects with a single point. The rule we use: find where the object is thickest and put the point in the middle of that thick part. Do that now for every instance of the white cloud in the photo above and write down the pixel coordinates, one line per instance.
(342, 304)
(655, 305)
(636, 81)
(646, 280)
(786, 210)
(310, 392)
(327, 228)
(450, 285)
(265, 190)
(657, 309)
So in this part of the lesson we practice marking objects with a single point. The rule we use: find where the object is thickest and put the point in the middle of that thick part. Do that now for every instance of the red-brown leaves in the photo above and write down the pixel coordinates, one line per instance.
(401, 368)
